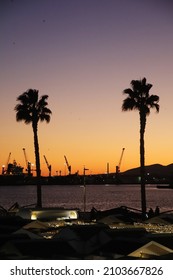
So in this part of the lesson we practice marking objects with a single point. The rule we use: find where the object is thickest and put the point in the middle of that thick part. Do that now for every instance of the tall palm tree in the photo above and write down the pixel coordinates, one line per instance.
(32, 109)
(139, 99)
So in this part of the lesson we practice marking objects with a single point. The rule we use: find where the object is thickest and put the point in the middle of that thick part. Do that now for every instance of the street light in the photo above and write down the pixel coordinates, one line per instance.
(84, 185)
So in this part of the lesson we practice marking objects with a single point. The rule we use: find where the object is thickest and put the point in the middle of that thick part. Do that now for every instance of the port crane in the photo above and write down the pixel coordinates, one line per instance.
(119, 165)
(48, 166)
(8, 160)
(68, 166)
(5, 167)
(28, 164)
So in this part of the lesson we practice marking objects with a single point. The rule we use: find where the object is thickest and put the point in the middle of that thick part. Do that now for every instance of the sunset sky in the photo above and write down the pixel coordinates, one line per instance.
(83, 54)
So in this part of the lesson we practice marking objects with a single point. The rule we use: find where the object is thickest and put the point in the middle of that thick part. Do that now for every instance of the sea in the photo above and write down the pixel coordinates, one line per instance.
(101, 197)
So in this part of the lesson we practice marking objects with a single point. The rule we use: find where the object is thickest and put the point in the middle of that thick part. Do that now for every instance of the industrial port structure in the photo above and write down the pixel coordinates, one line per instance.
(14, 173)
(15, 169)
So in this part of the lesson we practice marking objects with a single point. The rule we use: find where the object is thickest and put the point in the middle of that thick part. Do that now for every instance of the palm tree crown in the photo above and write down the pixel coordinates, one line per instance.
(139, 98)
(31, 109)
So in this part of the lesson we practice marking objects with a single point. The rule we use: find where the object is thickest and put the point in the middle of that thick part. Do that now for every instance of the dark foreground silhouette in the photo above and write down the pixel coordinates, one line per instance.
(118, 233)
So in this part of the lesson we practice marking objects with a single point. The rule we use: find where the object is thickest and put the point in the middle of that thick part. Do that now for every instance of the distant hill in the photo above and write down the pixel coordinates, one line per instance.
(154, 170)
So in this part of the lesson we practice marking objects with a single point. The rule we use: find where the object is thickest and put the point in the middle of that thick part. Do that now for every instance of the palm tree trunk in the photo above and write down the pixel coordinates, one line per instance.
(38, 171)
(142, 163)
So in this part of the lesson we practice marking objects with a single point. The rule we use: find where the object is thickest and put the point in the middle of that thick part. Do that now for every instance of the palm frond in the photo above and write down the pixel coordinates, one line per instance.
(129, 104)
(42, 102)
(143, 81)
(44, 117)
(23, 116)
(32, 96)
(152, 102)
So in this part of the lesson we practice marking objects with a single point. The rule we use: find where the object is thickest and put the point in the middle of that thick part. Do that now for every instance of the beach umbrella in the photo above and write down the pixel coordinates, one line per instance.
(110, 219)
(10, 251)
(157, 220)
(85, 239)
(28, 233)
(151, 250)
(36, 225)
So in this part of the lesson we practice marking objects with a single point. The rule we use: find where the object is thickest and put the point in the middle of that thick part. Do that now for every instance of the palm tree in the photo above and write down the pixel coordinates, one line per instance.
(32, 109)
(139, 99)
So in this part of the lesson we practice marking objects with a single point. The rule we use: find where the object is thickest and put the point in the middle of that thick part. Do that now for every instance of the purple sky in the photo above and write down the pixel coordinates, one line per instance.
(83, 53)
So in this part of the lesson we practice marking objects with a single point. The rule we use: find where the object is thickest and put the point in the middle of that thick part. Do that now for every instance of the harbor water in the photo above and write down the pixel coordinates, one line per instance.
(101, 197)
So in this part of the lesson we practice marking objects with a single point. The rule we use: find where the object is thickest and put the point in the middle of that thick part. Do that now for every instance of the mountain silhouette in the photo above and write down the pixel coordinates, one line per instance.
(154, 170)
